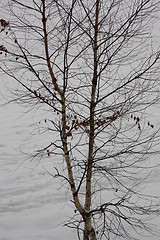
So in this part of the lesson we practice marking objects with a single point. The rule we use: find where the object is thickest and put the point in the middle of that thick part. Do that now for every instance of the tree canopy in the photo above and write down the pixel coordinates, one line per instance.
(93, 66)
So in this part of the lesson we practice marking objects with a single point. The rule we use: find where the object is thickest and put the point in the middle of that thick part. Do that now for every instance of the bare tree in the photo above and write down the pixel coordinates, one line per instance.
(93, 66)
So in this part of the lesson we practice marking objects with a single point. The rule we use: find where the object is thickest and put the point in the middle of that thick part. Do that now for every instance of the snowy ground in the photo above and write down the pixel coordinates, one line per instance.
(31, 207)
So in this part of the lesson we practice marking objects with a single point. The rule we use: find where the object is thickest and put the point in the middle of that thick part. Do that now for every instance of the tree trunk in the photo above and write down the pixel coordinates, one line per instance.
(89, 232)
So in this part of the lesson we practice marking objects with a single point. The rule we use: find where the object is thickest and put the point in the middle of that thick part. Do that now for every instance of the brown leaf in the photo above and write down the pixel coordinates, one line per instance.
(67, 127)
(138, 119)
(139, 127)
(48, 152)
(69, 134)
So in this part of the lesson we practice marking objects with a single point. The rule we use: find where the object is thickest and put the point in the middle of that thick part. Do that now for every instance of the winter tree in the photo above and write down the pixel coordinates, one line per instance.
(93, 67)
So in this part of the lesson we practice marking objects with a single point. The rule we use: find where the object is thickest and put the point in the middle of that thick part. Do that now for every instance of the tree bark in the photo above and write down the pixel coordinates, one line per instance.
(89, 232)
